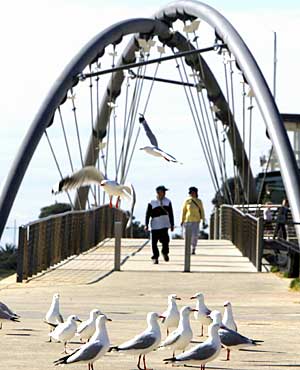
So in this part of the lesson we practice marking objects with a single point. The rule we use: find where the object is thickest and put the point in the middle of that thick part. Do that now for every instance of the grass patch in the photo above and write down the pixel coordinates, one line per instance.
(295, 284)
(275, 269)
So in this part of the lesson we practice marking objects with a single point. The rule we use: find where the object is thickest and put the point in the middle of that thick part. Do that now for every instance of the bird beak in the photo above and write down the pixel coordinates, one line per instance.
(225, 305)
(108, 319)
(194, 310)
(161, 316)
(193, 297)
(178, 298)
(79, 320)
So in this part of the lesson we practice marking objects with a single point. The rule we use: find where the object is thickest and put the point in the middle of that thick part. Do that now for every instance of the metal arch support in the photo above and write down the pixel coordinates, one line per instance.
(189, 9)
(69, 77)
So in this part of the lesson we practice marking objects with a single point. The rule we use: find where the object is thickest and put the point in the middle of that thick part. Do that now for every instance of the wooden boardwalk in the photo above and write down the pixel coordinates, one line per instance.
(264, 308)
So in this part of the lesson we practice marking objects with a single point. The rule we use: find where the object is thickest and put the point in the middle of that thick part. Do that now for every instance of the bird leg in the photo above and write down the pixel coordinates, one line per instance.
(0, 325)
(92, 366)
(117, 203)
(110, 202)
(139, 361)
(65, 348)
(144, 361)
(228, 354)
(89, 367)
(167, 331)
(201, 330)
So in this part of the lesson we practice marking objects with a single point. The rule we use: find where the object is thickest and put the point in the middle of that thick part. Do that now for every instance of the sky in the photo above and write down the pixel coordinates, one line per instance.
(38, 38)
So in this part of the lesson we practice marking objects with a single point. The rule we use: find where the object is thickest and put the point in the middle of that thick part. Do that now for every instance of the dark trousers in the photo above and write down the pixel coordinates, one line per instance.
(162, 236)
(279, 227)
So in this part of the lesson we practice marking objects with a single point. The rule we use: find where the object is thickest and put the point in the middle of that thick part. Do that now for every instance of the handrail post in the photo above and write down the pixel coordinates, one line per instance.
(187, 248)
(118, 235)
(259, 243)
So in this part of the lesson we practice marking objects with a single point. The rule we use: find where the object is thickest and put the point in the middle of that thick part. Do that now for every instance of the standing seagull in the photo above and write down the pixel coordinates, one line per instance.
(228, 319)
(65, 331)
(171, 315)
(53, 316)
(231, 339)
(154, 149)
(202, 353)
(180, 338)
(91, 351)
(202, 311)
(90, 175)
(145, 342)
(7, 314)
(87, 328)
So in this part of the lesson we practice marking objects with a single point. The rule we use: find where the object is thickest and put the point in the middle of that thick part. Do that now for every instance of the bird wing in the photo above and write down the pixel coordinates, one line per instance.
(167, 156)
(148, 131)
(4, 307)
(86, 176)
(130, 189)
(141, 341)
(171, 339)
(201, 352)
(87, 352)
(6, 316)
(231, 338)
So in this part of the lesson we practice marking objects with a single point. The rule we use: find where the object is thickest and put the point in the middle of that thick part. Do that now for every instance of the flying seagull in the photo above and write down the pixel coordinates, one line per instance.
(90, 175)
(154, 149)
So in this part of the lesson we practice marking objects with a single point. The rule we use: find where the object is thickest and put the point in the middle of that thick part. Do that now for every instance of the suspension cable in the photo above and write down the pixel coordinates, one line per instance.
(57, 165)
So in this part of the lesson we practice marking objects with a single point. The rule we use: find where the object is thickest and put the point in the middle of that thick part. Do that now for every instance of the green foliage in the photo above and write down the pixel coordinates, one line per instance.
(295, 284)
(8, 259)
(231, 188)
(275, 269)
(54, 209)
(138, 230)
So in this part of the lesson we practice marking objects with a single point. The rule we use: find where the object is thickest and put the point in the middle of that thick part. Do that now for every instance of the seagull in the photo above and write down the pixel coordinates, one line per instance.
(181, 337)
(154, 149)
(7, 314)
(231, 339)
(90, 175)
(228, 319)
(202, 353)
(145, 342)
(171, 315)
(87, 328)
(91, 351)
(53, 316)
(202, 311)
(65, 331)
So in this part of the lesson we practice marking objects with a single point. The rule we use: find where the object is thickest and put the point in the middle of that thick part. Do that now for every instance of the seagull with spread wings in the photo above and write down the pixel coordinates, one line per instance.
(154, 149)
(90, 175)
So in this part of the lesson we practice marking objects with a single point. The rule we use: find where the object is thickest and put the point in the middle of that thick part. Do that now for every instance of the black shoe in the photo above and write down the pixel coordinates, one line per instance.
(166, 257)
(155, 261)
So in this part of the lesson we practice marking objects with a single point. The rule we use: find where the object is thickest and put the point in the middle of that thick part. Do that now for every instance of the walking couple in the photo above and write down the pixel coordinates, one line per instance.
(160, 212)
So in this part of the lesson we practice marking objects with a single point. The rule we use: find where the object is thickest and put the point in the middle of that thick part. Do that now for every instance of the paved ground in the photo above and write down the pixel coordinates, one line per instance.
(264, 308)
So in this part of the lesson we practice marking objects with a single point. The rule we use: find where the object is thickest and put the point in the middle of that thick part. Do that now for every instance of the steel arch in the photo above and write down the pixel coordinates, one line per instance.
(57, 95)
(191, 9)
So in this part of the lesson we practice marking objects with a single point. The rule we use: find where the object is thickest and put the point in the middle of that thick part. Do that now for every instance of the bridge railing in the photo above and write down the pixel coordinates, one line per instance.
(50, 240)
(244, 230)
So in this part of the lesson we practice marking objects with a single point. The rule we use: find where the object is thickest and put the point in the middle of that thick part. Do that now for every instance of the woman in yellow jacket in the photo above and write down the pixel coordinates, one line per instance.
(192, 213)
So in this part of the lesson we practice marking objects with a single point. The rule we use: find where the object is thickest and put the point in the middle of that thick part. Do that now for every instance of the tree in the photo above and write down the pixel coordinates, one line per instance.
(54, 209)
(228, 192)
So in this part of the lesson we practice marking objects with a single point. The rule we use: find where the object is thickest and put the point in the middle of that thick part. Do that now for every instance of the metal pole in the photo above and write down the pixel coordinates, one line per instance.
(187, 248)
(275, 65)
(118, 236)
(259, 243)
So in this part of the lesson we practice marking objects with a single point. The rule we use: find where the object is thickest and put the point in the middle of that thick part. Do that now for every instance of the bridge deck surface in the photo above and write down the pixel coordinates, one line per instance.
(264, 308)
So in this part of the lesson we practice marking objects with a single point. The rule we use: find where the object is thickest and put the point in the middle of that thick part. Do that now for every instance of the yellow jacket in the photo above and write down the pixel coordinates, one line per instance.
(192, 212)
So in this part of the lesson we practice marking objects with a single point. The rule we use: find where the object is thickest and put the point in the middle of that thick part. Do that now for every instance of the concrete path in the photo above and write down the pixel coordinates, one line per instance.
(264, 309)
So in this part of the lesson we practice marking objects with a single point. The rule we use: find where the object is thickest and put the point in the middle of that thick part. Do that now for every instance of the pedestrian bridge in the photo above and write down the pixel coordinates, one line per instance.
(87, 281)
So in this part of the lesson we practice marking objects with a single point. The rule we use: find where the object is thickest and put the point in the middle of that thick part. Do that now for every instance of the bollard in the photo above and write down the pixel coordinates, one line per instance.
(187, 249)
(118, 236)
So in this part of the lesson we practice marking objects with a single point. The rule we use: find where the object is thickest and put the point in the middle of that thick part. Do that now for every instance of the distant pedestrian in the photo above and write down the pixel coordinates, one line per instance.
(281, 219)
(161, 213)
(268, 218)
(191, 215)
